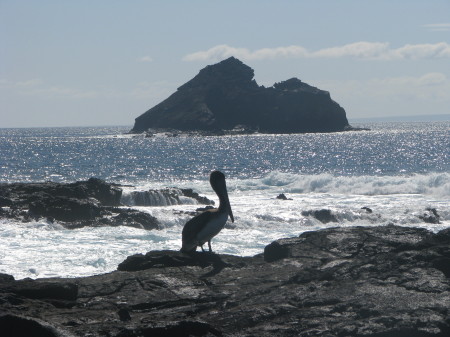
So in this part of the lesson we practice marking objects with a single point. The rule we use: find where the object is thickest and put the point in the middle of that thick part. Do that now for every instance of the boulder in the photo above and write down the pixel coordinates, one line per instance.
(367, 209)
(133, 218)
(323, 215)
(83, 203)
(430, 216)
(282, 196)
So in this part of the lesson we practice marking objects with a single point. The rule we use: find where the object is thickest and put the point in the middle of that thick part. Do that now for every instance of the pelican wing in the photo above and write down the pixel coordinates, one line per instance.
(193, 227)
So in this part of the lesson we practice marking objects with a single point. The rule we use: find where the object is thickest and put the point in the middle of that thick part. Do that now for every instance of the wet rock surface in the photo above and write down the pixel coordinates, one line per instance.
(282, 196)
(430, 216)
(323, 215)
(89, 203)
(360, 281)
(83, 203)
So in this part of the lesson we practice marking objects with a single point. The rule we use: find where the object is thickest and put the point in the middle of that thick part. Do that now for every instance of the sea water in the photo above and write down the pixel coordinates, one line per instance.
(398, 170)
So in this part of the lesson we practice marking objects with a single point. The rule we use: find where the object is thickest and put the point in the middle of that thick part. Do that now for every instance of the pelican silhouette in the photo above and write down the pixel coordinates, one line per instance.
(203, 227)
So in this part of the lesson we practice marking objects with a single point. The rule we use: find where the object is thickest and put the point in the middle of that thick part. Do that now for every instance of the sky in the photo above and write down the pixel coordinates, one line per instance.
(105, 62)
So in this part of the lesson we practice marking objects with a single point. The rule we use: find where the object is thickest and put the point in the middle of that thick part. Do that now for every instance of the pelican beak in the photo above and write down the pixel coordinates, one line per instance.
(217, 181)
(230, 212)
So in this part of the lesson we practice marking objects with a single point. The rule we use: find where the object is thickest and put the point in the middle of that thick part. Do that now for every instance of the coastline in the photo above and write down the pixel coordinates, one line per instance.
(358, 281)
(238, 131)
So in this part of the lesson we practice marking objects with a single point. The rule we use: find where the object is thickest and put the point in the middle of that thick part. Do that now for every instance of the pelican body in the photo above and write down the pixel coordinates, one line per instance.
(203, 227)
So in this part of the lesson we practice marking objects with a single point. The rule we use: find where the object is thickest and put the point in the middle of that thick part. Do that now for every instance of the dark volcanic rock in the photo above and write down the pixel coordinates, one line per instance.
(63, 208)
(25, 193)
(282, 196)
(179, 329)
(189, 192)
(224, 96)
(17, 326)
(362, 282)
(134, 218)
(430, 216)
(367, 209)
(323, 215)
(83, 203)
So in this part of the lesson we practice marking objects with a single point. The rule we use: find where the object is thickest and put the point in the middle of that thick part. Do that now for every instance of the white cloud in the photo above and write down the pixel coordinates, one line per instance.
(37, 87)
(29, 83)
(433, 79)
(429, 87)
(421, 51)
(438, 27)
(224, 51)
(357, 49)
(6, 84)
(409, 82)
(428, 93)
(361, 50)
(146, 59)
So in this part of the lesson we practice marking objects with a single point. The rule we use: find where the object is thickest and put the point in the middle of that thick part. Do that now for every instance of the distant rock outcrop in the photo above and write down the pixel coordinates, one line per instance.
(224, 96)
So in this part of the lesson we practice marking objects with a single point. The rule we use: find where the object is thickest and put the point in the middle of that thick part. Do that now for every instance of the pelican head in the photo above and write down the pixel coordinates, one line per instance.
(217, 181)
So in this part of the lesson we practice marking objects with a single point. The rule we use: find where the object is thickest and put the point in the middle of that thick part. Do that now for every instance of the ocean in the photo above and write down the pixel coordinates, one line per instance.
(398, 170)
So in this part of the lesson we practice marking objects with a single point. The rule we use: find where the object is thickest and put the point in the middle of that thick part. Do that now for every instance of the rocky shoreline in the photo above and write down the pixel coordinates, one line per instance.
(84, 203)
(361, 281)
(238, 131)
(97, 203)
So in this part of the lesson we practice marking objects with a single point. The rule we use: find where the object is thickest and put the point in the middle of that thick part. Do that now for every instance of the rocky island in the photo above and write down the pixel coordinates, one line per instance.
(224, 97)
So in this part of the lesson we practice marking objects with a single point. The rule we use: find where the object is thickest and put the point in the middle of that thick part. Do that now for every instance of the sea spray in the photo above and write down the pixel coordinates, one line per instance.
(433, 184)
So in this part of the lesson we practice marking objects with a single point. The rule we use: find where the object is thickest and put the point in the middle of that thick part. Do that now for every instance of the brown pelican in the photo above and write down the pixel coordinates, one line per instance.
(203, 227)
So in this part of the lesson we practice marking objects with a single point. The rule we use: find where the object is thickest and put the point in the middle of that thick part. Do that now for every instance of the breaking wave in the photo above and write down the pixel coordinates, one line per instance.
(435, 184)
(166, 197)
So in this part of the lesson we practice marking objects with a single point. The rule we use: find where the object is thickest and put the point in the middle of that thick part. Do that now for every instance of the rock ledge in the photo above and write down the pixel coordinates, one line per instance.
(362, 281)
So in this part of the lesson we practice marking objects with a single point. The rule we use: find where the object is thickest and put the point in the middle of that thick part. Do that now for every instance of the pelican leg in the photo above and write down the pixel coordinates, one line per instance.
(201, 246)
(209, 245)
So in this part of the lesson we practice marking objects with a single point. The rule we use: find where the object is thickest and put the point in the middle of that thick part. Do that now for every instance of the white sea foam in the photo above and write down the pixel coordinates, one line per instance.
(437, 184)
(432, 184)
(41, 249)
(162, 197)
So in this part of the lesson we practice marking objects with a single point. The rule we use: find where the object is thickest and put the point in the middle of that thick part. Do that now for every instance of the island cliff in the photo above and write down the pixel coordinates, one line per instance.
(225, 96)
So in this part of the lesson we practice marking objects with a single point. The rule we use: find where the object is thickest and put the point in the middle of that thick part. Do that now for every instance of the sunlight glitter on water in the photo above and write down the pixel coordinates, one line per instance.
(397, 170)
